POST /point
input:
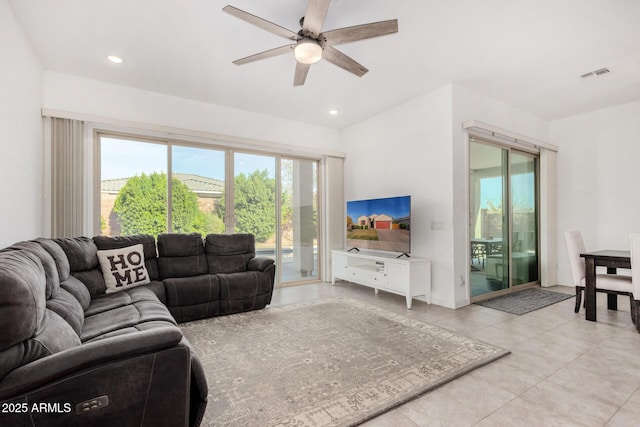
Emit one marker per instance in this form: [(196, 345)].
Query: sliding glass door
[(212, 189), (254, 200), (503, 219), (524, 219)]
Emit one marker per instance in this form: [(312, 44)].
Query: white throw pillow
[(123, 268)]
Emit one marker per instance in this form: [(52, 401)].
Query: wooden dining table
[(612, 260)]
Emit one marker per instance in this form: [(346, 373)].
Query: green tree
[(141, 206), (255, 204)]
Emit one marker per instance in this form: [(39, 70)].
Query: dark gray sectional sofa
[(73, 355)]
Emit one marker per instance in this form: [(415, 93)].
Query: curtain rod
[(181, 132), (517, 138)]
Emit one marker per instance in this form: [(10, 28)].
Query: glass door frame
[(230, 220), (536, 192), (472, 138)]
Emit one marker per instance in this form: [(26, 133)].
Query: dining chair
[(607, 283), (634, 240)]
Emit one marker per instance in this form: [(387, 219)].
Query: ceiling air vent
[(597, 73)]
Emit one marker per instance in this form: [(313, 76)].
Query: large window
[(275, 198), (133, 187), (197, 190)]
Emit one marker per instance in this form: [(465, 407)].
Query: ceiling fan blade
[(301, 73), (261, 23), (343, 61), (359, 32), (314, 17), (266, 54)]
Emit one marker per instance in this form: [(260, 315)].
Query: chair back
[(635, 264), (575, 246)]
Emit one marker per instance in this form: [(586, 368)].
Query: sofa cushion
[(181, 255), (123, 268), (22, 296), (124, 317), (67, 307), (58, 255), (29, 330), (191, 298), (146, 240), (48, 263), (54, 335), (76, 288), (244, 291), (102, 303), (229, 253), (81, 253), (146, 326)]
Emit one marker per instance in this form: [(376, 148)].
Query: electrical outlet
[(437, 225)]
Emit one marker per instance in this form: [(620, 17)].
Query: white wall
[(20, 133), (420, 148), (79, 95), (598, 178), (407, 151)]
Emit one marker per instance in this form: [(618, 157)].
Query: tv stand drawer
[(365, 276)]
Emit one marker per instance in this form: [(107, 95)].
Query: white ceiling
[(527, 53)]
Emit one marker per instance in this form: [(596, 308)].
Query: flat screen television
[(380, 224)]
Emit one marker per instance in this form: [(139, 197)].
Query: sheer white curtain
[(67, 177), (335, 218)]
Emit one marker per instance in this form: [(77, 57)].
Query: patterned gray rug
[(525, 301), (333, 362)]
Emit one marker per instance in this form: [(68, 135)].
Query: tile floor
[(562, 370)]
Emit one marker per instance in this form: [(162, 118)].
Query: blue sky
[(491, 190), (123, 159), (395, 207)]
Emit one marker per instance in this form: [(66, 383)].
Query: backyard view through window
[(136, 197)]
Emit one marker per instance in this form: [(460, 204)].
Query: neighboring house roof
[(201, 185), (380, 217)]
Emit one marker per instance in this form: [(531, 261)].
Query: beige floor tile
[(582, 406), (522, 413), (512, 379), (463, 401), (498, 336), (392, 418), (624, 418)]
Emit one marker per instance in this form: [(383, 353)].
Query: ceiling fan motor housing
[(308, 50)]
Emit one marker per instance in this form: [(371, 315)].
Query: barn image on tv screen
[(380, 224)]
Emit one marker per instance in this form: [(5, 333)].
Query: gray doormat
[(525, 301), (333, 362)]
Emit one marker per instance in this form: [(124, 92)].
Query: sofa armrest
[(259, 263), (92, 354)]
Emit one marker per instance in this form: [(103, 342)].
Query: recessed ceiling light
[(333, 112), (115, 59)]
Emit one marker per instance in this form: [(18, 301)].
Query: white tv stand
[(409, 277)]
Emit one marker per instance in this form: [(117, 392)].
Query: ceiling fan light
[(308, 51)]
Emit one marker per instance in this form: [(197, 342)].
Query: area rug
[(525, 301), (332, 362)]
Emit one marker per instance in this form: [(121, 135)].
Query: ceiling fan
[(310, 44)]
